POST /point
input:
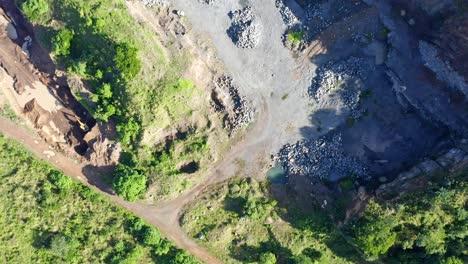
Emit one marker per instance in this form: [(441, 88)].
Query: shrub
[(128, 131), (62, 182), (451, 260), (267, 258), (62, 42), (151, 237), (295, 36), (183, 258), (126, 60), (258, 208), (375, 234), (128, 183), (35, 10), (62, 246)]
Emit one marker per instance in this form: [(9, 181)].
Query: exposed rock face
[(453, 43), (418, 176), (102, 153), (414, 81)]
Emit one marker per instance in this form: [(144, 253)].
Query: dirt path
[(155, 216), (268, 75), (165, 215)]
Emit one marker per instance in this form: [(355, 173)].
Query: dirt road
[(162, 217), (268, 75), (165, 215)]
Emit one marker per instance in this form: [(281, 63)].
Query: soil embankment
[(41, 97)]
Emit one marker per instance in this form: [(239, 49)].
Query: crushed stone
[(244, 31), (320, 159)]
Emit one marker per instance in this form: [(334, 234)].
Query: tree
[(267, 258), (128, 183), (151, 236), (374, 233), (451, 260), (128, 131), (183, 258), (35, 9), (62, 182), (126, 60), (62, 42), (62, 246)]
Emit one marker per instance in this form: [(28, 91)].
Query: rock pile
[(151, 3), (244, 31), (207, 2), (287, 15), (320, 159), (242, 112), (342, 79)]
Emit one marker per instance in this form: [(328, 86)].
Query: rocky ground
[(351, 80)]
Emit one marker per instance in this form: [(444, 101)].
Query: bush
[(267, 258), (451, 260), (183, 258), (128, 183), (62, 246), (62, 42), (62, 182), (151, 237), (128, 131), (374, 234), (35, 10), (258, 208), (295, 36), (126, 60)]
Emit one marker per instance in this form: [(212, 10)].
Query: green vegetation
[(240, 223), (62, 42), (48, 218), (429, 226), (160, 164), (128, 183), (135, 85), (295, 36), (7, 111), (36, 10)]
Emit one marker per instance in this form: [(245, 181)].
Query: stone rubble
[(151, 3), (207, 2), (287, 15), (243, 113), (343, 78), (320, 159), (244, 31)]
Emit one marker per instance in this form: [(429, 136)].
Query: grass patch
[(48, 218), (239, 223), (135, 83), (7, 111)]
